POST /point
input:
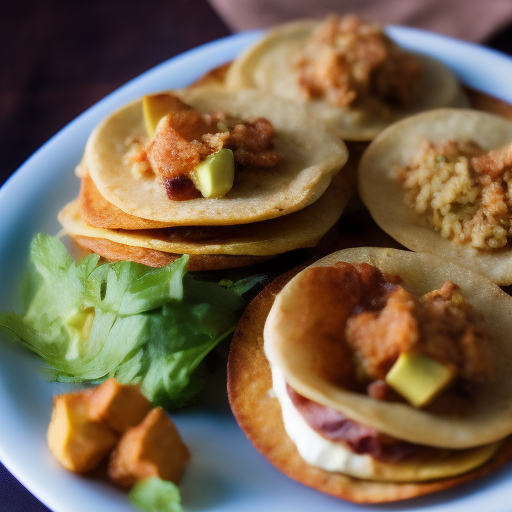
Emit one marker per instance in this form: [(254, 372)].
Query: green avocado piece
[(214, 176), (419, 378)]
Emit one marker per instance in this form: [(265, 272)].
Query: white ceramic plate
[(226, 473)]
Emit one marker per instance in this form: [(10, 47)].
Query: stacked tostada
[(229, 178)]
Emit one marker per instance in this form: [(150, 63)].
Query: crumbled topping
[(351, 63), (440, 324), (464, 193), (185, 137), (136, 158)]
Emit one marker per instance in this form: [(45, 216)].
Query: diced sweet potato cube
[(75, 440), (153, 448), (120, 406)]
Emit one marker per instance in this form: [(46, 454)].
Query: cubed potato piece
[(120, 406), (76, 441), (153, 448)]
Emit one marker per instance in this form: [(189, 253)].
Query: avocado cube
[(154, 107), (214, 176), (419, 378)]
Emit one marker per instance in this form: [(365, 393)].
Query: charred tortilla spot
[(181, 189)]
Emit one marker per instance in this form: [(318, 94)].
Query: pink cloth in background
[(472, 20)]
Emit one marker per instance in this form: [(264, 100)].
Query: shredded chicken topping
[(184, 138), (348, 63), (440, 324), (465, 193)]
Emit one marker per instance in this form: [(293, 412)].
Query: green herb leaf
[(156, 495), (243, 285), (124, 320)]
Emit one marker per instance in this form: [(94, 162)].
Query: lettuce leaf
[(91, 321)]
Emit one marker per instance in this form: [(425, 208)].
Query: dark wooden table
[(57, 58)]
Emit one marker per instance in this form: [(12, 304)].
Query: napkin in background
[(472, 20)]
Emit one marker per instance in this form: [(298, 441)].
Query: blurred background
[(58, 58)]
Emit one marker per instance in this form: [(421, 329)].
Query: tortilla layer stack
[(265, 354), (123, 215)]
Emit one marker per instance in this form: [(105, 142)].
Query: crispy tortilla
[(429, 464), (97, 211), (490, 419), (259, 414), (216, 76), (269, 65), (113, 251), (312, 155), (297, 230), (482, 101), (384, 197)]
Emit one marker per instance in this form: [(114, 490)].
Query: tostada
[(376, 375), (439, 182), (347, 72)]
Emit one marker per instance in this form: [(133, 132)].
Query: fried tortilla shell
[(304, 366), (315, 219), (297, 230), (97, 211), (216, 76), (312, 155), (482, 101), (384, 196), (429, 464), (269, 65), (113, 251), (258, 413)]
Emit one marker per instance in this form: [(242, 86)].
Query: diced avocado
[(154, 107), (419, 378), (214, 176)]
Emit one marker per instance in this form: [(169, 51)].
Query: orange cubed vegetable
[(153, 448), (78, 442), (120, 406)]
